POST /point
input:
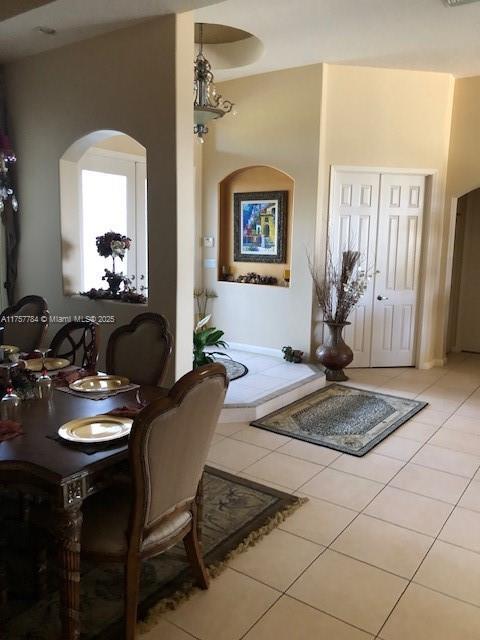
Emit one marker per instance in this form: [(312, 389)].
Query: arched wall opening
[(463, 331), (252, 184), (103, 188)]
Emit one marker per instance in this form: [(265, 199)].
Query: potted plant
[(338, 291), (204, 337)]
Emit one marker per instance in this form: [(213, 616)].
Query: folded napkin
[(9, 429), (33, 355), (65, 378), (127, 411)]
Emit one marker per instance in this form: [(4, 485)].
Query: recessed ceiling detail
[(227, 47), (11, 8), (220, 34)]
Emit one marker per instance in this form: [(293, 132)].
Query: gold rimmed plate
[(102, 428), (51, 364), (98, 384)]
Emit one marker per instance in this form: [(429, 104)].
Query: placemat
[(89, 449), (98, 396)]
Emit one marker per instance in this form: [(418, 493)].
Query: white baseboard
[(266, 351)]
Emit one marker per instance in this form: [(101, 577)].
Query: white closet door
[(398, 263), (353, 225)]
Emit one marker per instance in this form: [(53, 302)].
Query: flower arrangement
[(339, 290), (115, 245), (204, 337), (112, 244)]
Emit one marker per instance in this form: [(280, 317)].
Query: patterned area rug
[(236, 510), (234, 369), (343, 418)]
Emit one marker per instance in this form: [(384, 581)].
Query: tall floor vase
[(334, 354)]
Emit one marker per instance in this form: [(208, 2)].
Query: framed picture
[(260, 226)]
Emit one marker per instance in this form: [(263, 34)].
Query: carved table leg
[(68, 524)]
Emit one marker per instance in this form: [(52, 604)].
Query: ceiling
[(73, 20), (407, 34)]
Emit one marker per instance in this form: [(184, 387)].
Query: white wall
[(399, 119), (136, 81), (277, 125)]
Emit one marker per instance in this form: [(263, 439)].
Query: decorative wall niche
[(102, 189), (254, 180)]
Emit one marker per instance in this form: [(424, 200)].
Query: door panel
[(398, 264), (353, 225)]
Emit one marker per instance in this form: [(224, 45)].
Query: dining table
[(66, 475)]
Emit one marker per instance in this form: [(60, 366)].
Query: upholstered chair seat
[(105, 528), (168, 448)]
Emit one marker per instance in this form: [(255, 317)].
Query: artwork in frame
[(260, 226)]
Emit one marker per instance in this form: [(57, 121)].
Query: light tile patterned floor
[(266, 375), (388, 546)]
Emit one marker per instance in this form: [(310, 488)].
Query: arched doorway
[(463, 332)]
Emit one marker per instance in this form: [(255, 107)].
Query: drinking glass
[(44, 384), (10, 402)]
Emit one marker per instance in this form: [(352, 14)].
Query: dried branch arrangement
[(338, 290)]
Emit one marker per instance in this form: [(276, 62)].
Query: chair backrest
[(28, 332), (141, 350), (77, 341), (169, 445)]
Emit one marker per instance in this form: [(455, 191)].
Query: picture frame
[(260, 226)]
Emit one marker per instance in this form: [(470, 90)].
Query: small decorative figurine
[(292, 355)]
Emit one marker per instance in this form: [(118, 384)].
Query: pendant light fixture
[(207, 104)]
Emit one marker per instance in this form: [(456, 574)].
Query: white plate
[(100, 428)]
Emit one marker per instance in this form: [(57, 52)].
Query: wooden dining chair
[(29, 330), (141, 350), (168, 448), (77, 341)]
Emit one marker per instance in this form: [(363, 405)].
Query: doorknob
[(382, 297)]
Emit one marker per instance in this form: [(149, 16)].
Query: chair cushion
[(105, 524)]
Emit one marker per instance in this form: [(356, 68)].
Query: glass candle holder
[(10, 402), (44, 386)]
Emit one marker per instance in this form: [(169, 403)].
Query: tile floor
[(388, 546), (266, 375)]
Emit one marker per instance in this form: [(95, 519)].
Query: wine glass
[(43, 352), (10, 402), (44, 384)]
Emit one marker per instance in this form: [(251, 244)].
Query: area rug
[(343, 418), (235, 370), (237, 513)]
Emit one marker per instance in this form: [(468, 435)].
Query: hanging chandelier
[(207, 104), (7, 159)]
